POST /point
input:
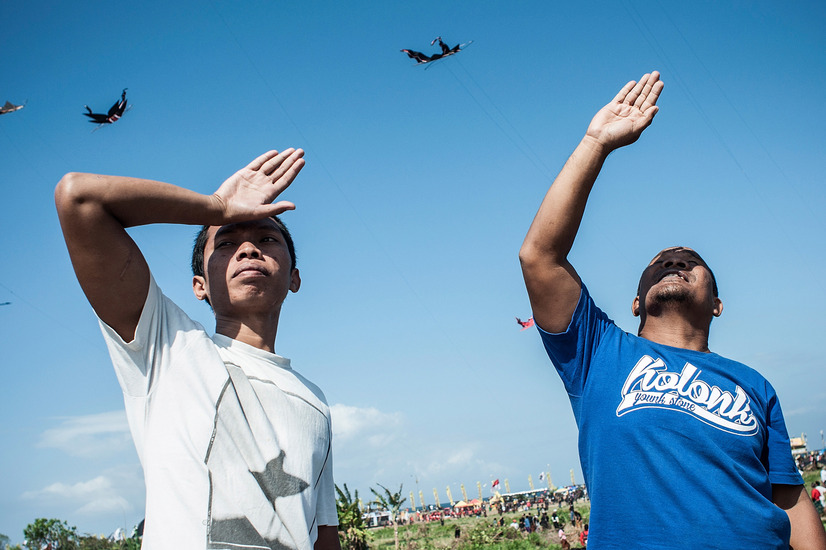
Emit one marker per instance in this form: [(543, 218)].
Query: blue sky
[(418, 189)]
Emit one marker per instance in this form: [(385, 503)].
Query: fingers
[(281, 168), (270, 161), (278, 164), (280, 207), (645, 94), (642, 94), (651, 97), (286, 173), (638, 90), (620, 97), (259, 162), (270, 210)]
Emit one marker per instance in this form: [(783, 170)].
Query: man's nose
[(248, 250), (677, 263)]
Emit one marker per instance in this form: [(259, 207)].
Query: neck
[(258, 332), (676, 331)]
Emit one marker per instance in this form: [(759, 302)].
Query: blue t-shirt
[(679, 448)]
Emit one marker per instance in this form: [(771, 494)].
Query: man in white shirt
[(235, 445)]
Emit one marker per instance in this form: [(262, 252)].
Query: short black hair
[(201, 240)]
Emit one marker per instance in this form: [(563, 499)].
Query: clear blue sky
[(418, 189)]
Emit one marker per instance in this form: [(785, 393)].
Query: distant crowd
[(812, 460)]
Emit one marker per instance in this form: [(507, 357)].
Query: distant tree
[(351, 526), (4, 541), (391, 502), (92, 542), (132, 543), (51, 534)]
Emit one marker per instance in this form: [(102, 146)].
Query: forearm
[(619, 123), (327, 538), (554, 228), (94, 212), (552, 283), (131, 201)]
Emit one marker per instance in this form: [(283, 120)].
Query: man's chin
[(667, 297), (255, 299), (671, 293)]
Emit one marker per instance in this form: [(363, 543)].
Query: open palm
[(248, 194), (622, 121)]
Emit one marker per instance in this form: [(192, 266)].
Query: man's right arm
[(95, 211), (553, 284)]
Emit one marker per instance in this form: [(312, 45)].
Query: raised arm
[(553, 284), (95, 210)]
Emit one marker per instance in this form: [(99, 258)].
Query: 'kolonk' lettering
[(649, 384)]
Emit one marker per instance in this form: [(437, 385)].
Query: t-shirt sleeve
[(326, 504), (779, 462), (139, 363), (572, 351)]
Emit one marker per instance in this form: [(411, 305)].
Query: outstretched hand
[(249, 193), (622, 121)]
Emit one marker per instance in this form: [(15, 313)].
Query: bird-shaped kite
[(115, 112), (525, 324), (446, 51), (10, 107)]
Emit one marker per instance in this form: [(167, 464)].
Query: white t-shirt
[(235, 445)]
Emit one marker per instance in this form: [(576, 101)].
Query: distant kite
[(115, 112), (446, 51), (525, 324), (10, 107)]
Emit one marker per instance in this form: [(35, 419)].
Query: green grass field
[(474, 533)]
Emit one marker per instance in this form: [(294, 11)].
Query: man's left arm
[(327, 510), (327, 538), (807, 530)]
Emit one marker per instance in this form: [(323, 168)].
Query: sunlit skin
[(675, 301), (248, 276), (247, 263)]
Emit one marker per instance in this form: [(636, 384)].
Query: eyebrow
[(235, 228), (688, 251)]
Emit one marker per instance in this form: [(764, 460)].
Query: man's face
[(246, 266), (675, 275)]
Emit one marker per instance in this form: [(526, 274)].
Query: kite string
[(57, 321), (522, 145), (68, 327), (743, 120), (533, 157), (318, 160), (655, 45)]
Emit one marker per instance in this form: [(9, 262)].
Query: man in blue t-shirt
[(659, 407)]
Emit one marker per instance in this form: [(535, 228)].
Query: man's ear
[(199, 287), (718, 307), (295, 280), (635, 306)]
